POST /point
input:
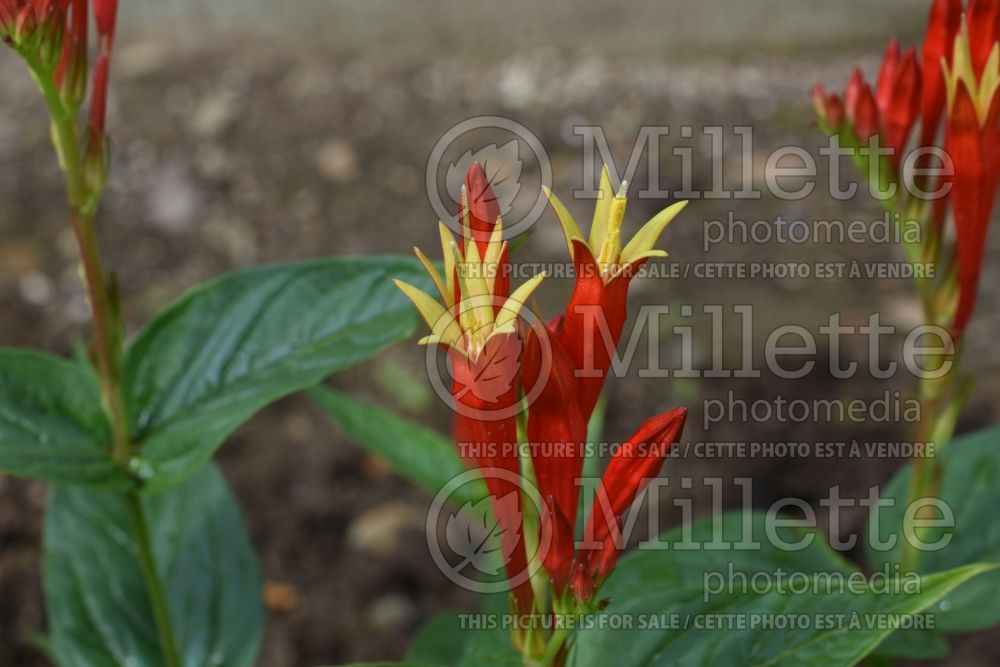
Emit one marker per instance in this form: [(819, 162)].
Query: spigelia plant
[(476, 322), (146, 561), (527, 415)]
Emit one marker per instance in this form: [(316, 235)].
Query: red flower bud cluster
[(53, 36), (957, 75)]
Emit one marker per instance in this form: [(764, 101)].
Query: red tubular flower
[(99, 99), (898, 98), (71, 73), (636, 462), (861, 107), (984, 30), (972, 138), (476, 322), (479, 211), (593, 321), (558, 560), (493, 447), (829, 108), (556, 433), (942, 27), (105, 16)]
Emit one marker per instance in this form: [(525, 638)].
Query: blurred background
[(251, 131)]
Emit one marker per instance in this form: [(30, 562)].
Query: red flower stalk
[(593, 321), (476, 323), (972, 138)]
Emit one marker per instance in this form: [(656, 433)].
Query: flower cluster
[(52, 36), (504, 370), (957, 76)]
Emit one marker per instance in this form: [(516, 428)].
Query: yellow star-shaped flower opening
[(982, 89), (471, 312), (605, 239)]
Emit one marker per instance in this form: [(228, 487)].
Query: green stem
[(157, 594), (938, 400), (941, 400), (556, 641), (107, 325), (108, 342)]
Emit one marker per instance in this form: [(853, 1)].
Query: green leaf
[(970, 486), (684, 556), (387, 664), (422, 455), (832, 629), (653, 589), (445, 642), (668, 585), (98, 607), (440, 641), (915, 644), (52, 425), (206, 364)]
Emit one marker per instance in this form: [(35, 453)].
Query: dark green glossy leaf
[(209, 362), (422, 455), (52, 425), (663, 595), (387, 664), (971, 488), (916, 644), (99, 610), (440, 641), (685, 555), (832, 629), (444, 641)]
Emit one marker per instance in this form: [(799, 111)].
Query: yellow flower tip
[(441, 322), (602, 211), (511, 308), (623, 190), (447, 296), (644, 240), (570, 229)]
